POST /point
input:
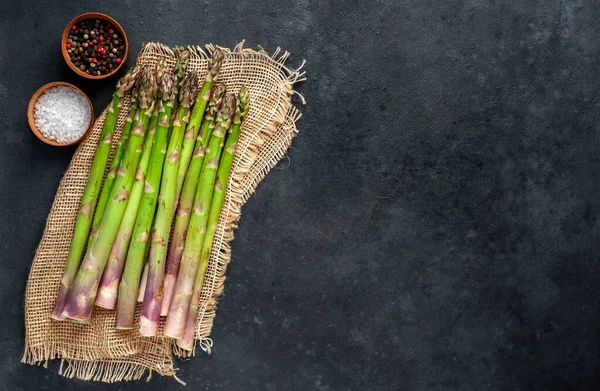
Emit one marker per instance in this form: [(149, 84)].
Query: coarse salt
[(62, 114)]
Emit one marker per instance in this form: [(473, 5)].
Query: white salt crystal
[(62, 114)]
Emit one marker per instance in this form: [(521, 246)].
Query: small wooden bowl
[(65, 36), (31, 112)]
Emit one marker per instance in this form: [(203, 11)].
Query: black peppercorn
[(95, 46)]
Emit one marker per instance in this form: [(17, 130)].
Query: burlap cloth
[(97, 351)]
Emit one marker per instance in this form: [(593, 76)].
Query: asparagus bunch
[(81, 297), (137, 249), (90, 194), (172, 156), (187, 196), (187, 341), (197, 227)]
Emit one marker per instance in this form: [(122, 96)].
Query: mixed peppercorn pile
[(95, 47)]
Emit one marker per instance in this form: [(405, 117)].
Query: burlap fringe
[(76, 361), (108, 372)]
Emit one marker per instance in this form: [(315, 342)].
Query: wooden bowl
[(31, 112), (65, 36)]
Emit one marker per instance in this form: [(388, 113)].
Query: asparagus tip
[(127, 82), (148, 86), (184, 55), (189, 89), (229, 105), (218, 55), (218, 92), (244, 99), (214, 64), (166, 85)]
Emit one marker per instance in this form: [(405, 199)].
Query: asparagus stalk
[(143, 281), (90, 194), (109, 284), (187, 196), (112, 172), (187, 342), (197, 227), (81, 297), (166, 209), (214, 66), (128, 288), (144, 278), (180, 67)]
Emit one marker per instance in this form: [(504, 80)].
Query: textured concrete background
[(434, 227)]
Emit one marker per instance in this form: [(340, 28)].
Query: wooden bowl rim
[(92, 15), (31, 114)]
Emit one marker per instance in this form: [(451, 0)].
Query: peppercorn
[(95, 47)]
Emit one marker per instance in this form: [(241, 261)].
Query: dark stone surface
[(434, 227)]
